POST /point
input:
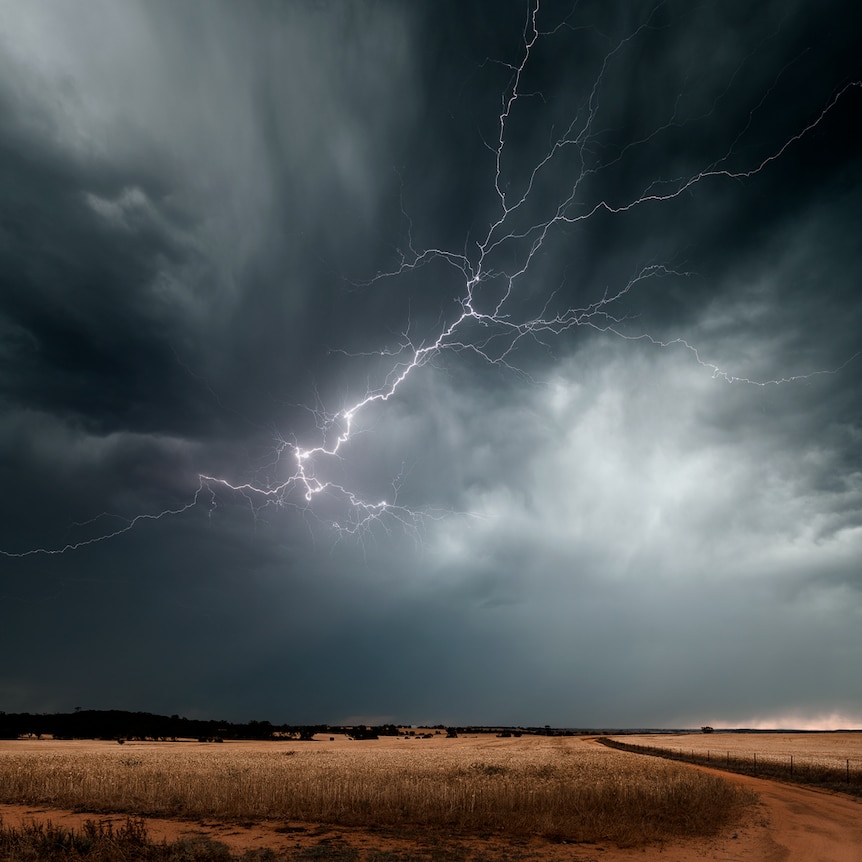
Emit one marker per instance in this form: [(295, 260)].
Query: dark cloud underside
[(618, 525)]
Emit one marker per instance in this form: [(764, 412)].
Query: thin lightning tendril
[(497, 332)]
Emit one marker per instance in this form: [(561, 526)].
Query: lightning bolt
[(490, 274)]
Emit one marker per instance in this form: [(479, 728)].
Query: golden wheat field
[(559, 788), (832, 749)]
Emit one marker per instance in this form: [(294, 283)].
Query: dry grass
[(830, 759), (825, 749), (563, 789), (99, 842)]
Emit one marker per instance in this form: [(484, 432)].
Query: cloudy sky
[(626, 490)]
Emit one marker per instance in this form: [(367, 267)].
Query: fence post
[(848, 770), (791, 764), (728, 758)]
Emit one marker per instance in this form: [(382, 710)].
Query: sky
[(382, 361)]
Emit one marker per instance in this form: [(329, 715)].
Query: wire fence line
[(845, 776)]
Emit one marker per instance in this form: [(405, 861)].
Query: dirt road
[(806, 824), (790, 824)]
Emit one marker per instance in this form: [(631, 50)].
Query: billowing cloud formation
[(618, 526)]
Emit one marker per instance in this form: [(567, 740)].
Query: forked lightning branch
[(490, 275)]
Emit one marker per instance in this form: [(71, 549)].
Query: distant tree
[(707, 729)]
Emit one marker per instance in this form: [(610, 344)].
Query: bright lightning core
[(576, 177)]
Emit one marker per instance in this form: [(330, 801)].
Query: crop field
[(819, 758), (564, 789), (825, 749)]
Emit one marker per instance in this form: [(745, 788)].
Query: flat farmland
[(827, 749), (471, 799), (555, 789)]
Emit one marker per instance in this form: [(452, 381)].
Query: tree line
[(122, 725)]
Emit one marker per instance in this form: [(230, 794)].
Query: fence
[(846, 777)]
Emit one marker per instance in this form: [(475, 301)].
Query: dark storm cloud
[(194, 199), (196, 176)]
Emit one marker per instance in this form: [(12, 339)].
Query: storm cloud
[(649, 517)]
